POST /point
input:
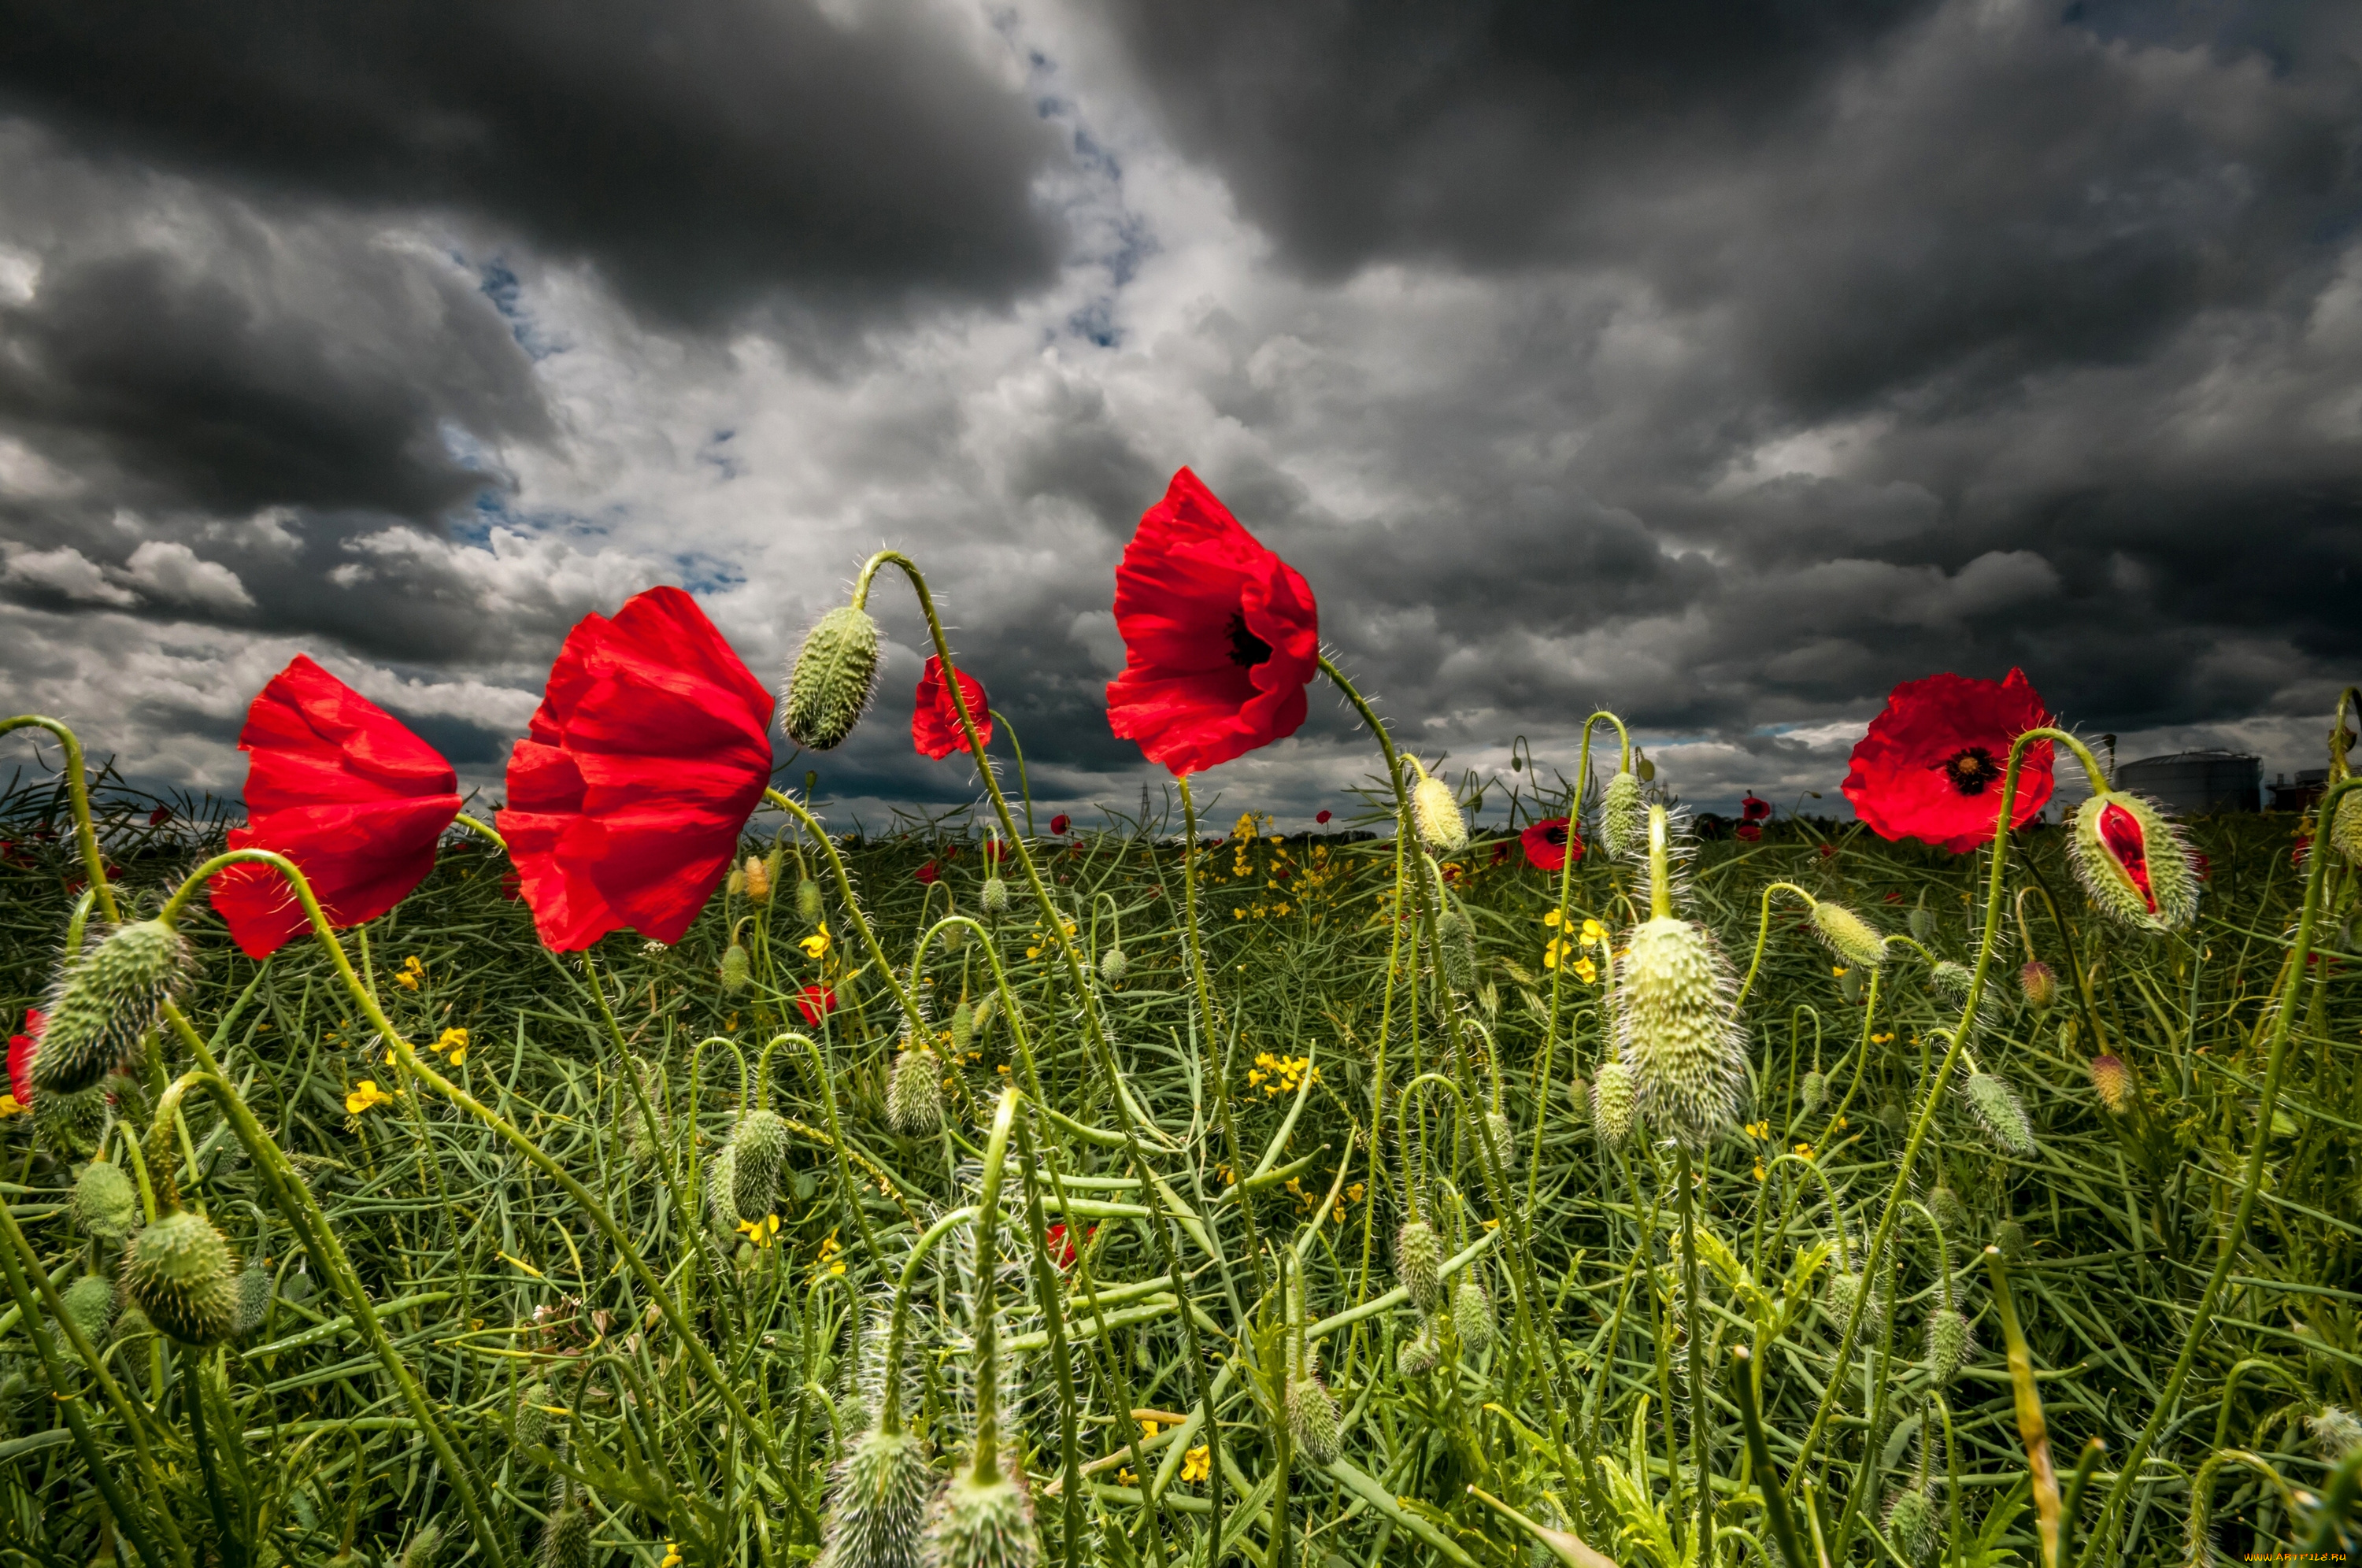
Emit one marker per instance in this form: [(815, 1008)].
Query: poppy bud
[(1455, 944), (1435, 812), (1952, 979), (1623, 820), (2345, 827), (1849, 935), (1893, 1117), (2336, 1432), (1950, 1342), (105, 1002), (531, 1427), (1911, 1525), (834, 675), (986, 1523), (104, 1204), (425, 1547), (1951, 1214), (1814, 1091), (566, 1539), (2040, 981), (758, 1149), (1995, 1106), (734, 967), (1471, 1313), (994, 899), (1312, 1423), (1419, 1264), (1113, 966), (877, 1501), (914, 1095), (808, 901), (1850, 984), (963, 1028), (722, 1192), (1504, 1139), (129, 1322), (1844, 1288), (253, 1299), (1677, 1029), (1612, 1099), (89, 1304), (2010, 1238), (1419, 1354), (735, 883), (2133, 862), (181, 1272), (759, 880), (2114, 1081)]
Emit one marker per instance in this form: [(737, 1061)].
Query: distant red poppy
[(815, 1002), (1931, 766), (647, 755), (1221, 636), (21, 1051), (1060, 824), (928, 874), (1894, 898), (1828, 852), (1322, 818), (2203, 866), (992, 850), (1548, 844), (934, 721), (160, 816), (1750, 832), (1754, 810), (1060, 1248), (2303, 849), (341, 788)]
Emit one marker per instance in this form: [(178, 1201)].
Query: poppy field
[(652, 1170)]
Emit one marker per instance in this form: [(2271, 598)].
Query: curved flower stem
[(1693, 1329), (1566, 868), (889, 1406), (77, 784), (1024, 787), (1660, 880), (482, 829), (1211, 1030), (2250, 1183), (1764, 929), (987, 1309)]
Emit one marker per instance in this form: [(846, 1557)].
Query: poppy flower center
[(2120, 831), (1555, 835), (1970, 770), (1247, 650)]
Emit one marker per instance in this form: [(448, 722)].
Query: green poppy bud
[(1612, 1103), (1952, 980), (1456, 946), (1951, 1214), (2132, 863), (1419, 1264), (566, 1539), (105, 1205), (1849, 935), (1911, 1525), (1813, 1092), (963, 1028), (1678, 1030), (89, 1304), (425, 1547), (1435, 814), (758, 1148), (1996, 1108), (1471, 1313), (2345, 828), (1113, 966), (808, 904), (994, 899), (1893, 1117), (1504, 1139), (878, 1502), (735, 968), (105, 1002), (1624, 819), (253, 1299), (1922, 919), (181, 1272), (914, 1095), (2040, 983), (2010, 1238), (835, 675), (1312, 1421), (722, 1192), (1950, 1343), (1419, 1354), (531, 1426), (983, 1523), (735, 883)]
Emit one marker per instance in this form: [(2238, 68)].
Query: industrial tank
[(2197, 783)]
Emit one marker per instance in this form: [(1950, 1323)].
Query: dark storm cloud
[(702, 152)]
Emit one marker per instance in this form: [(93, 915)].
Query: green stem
[(988, 1334), (77, 784), (1693, 1324), (1216, 1051), (1763, 931), (1024, 787)]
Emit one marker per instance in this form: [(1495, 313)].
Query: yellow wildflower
[(815, 946), (1198, 1463), (1759, 1170), (672, 1558), (410, 973), (1805, 1151), (8, 1106), (1587, 971), (760, 1231), (1555, 918), (1758, 1130), (1148, 1428), (454, 1045), (1594, 933), (830, 1257), (365, 1097), (1838, 971), (1126, 1476)]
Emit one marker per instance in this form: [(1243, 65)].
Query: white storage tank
[(2197, 783)]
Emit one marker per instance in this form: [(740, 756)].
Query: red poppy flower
[(928, 874), (815, 1002), (1060, 1248), (2304, 848), (1060, 824), (2203, 866), (1828, 852), (1322, 818), (934, 721), (1754, 810), (21, 1050), (991, 851), (1931, 766), (1750, 832), (341, 788), (1221, 636), (160, 816), (647, 755), (1549, 843)]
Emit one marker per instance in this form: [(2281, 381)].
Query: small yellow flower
[(760, 1231), (815, 946), (830, 1257), (672, 1558), (1759, 1170), (1805, 1151), (1198, 1463), (410, 973), (1594, 933), (8, 1106), (1758, 1130), (1550, 954), (1555, 918), (1127, 1477), (1148, 1428), (454, 1045), (1587, 971), (366, 1096), (1002, 1069), (1838, 971)]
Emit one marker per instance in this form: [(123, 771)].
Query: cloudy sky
[(1721, 365)]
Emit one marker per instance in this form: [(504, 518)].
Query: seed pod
[(1911, 1524), (1312, 1421), (1813, 1092), (2039, 982), (1677, 1029), (253, 1299), (1612, 1097), (566, 1539), (981, 1524), (531, 1426), (963, 1028), (1950, 1342), (2113, 1082), (1419, 1264), (758, 1148), (878, 1502), (182, 1273), (2133, 862), (1843, 1288), (2010, 1238), (105, 1002), (759, 880), (1419, 1354), (994, 899), (2336, 1432), (734, 967), (1471, 1313), (1922, 921), (1951, 1214), (1623, 819), (1504, 1139), (105, 1205), (914, 1095), (1849, 935), (1455, 947), (89, 1304), (808, 904), (1435, 812), (1995, 1106), (1113, 966), (425, 1547), (835, 675)]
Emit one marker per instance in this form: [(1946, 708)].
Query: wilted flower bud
[(808, 907), (1997, 1110), (1678, 1031), (1951, 1214), (736, 968), (1419, 1264), (1911, 1525), (1419, 1354), (1471, 1313), (180, 1270), (2114, 1081), (2040, 981), (914, 1096), (994, 899), (1950, 1342), (2133, 862), (105, 1001), (758, 1149), (1849, 935), (759, 880), (104, 1204), (1623, 819), (983, 1523), (1813, 1092), (1435, 812), (832, 679), (1113, 966), (878, 1502), (1455, 947), (1312, 1422), (1612, 1097)]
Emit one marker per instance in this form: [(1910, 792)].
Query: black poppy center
[(1555, 835), (1970, 770), (1247, 650)]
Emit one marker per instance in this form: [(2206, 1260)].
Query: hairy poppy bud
[(736, 968), (1893, 1117), (2133, 862), (1612, 1097), (1951, 1214), (994, 899), (89, 1304), (2345, 827), (1456, 946), (835, 675), (1844, 1289), (425, 1547), (1623, 819), (1922, 919), (759, 880), (985, 1523), (1911, 1525), (1995, 1106), (1471, 1313), (566, 1539), (1419, 1354), (2336, 1432), (181, 1272), (253, 1299), (1113, 966), (1813, 1092), (104, 1204), (1950, 1342), (1849, 935), (1419, 1264), (2114, 1081), (105, 1002), (758, 1149), (2010, 1238), (1312, 1422), (1952, 980), (2040, 984), (531, 1427), (735, 883), (1677, 1029), (878, 1502), (1504, 1139), (722, 1192), (914, 1095), (1435, 812), (808, 907), (963, 1028)]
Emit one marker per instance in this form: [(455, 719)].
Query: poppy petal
[(935, 719)]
